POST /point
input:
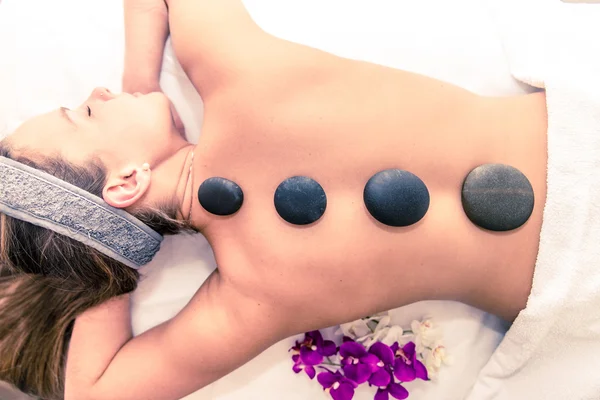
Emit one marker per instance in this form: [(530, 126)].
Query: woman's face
[(118, 129)]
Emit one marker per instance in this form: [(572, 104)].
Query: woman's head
[(116, 128), (46, 279), (124, 131)]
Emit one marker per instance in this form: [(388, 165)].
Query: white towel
[(552, 351)]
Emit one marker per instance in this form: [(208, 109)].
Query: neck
[(186, 187), (174, 176)]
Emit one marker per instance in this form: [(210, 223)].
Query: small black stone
[(396, 197), (497, 197), (300, 200), (220, 196)]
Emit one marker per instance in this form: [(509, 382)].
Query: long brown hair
[(47, 280)]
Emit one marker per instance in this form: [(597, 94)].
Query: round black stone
[(396, 197), (220, 196), (497, 197), (300, 200)]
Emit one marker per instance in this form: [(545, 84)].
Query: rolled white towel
[(552, 351)]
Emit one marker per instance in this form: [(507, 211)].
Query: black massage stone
[(396, 197), (497, 197), (300, 200), (220, 196)]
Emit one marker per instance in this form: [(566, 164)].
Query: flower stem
[(331, 363)]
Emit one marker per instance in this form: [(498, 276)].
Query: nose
[(102, 94)]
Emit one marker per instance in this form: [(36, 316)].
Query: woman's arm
[(218, 331), (146, 31)]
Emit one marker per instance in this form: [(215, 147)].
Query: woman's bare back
[(275, 109)]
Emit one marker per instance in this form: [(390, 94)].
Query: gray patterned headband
[(41, 199)]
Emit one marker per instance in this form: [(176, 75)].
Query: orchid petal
[(404, 372), (409, 350), (421, 371), (351, 382), (398, 391), (394, 347), (328, 348), (316, 336), (415, 326), (365, 340), (384, 322), (295, 358), (360, 328), (310, 357), (384, 353), (297, 368), (344, 392), (382, 394), (352, 349), (310, 371), (369, 359), (392, 335), (327, 379), (380, 378), (345, 329), (359, 373), (379, 335)]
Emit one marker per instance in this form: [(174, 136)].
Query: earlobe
[(128, 187)]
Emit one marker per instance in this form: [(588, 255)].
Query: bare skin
[(275, 109), (290, 110)]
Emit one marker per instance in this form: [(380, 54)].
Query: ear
[(126, 188)]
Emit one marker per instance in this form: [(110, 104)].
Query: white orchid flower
[(426, 334), (435, 358), (354, 329)]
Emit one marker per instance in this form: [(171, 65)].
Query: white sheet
[(55, 52)]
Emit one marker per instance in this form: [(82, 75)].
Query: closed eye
[(89, 111)]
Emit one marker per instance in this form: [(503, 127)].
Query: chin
[(157, 100), (158, 107)]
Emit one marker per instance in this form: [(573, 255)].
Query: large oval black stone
[(220, 196), (300, 200), (396, 197), (497, 197)]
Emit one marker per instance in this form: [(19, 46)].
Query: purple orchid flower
[(393, 389), (310, 352), (380, 359), (299, 366), (361, 365), (406, 367), (351, 354), (338, 386)]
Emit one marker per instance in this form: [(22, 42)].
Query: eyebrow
[(63, 113)]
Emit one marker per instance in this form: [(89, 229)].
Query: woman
[(273, 110)]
